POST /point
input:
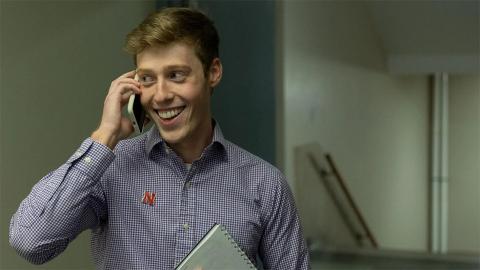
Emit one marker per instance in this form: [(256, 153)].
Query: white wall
[(464, 164), (375, 125), (58, 59)]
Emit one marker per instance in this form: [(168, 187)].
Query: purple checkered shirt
[(147, 210)]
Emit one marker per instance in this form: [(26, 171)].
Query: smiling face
[(176, 92)]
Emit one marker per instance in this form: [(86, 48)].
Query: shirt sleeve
[(61, 205), (283, 245)]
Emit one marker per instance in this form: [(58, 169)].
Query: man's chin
[(171, 137)]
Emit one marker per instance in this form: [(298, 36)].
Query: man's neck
[(192, 148)]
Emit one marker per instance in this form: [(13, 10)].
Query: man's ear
[(215, 72)]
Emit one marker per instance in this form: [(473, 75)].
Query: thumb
[(126, 128), (148, 120)]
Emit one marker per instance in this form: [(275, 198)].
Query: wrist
[(104, 137)]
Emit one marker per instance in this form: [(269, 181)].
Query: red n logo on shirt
[(148, 198)]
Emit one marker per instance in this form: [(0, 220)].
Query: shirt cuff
[(92, 158)]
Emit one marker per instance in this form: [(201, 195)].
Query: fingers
[(129, 77), (113, 124), (126, 127), (125, 88), (125, 85), (127, 94), (125, 97), (129, 74)]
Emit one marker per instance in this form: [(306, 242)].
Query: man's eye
[(146, 79), (177, 76)]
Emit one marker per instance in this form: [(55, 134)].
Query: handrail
[(351, 201), (321, 172), (331, 191)]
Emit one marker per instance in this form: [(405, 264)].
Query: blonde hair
[(176, 25)]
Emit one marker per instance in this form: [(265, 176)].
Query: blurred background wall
[(244, 102), (375, 125), (357, 81), (350, 76), (464, 218)]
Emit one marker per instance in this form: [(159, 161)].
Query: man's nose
[(162, 92)]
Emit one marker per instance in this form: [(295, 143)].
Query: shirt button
[(88, 160), (186, 226), (188, 184)]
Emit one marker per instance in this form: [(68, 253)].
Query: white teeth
[(171, 113)]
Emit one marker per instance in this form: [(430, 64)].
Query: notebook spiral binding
[(242, 253)]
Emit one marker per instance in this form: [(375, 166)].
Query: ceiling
[(429, 36)]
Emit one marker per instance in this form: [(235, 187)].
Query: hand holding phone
[(114, 126)]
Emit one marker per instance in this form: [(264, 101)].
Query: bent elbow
[(31, 250), (25, 249)]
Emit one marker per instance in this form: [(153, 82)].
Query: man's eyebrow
[(144, 70), (174, 67), (167, 68)]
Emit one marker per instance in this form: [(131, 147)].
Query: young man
[(148, 200)]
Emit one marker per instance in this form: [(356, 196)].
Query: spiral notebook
[(216, 250)]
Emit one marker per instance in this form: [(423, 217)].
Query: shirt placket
[(186, 224)]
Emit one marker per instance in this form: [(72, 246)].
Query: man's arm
[(283, 245), (64, 203), (70, 199)]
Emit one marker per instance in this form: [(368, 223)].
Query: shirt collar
[(154, 138)]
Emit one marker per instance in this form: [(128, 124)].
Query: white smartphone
[(136, 113)]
